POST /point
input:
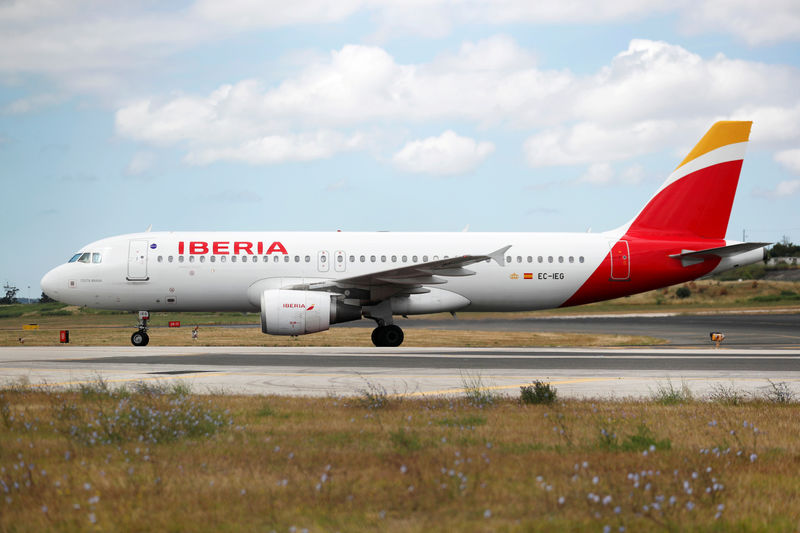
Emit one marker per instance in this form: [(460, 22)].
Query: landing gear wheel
[(140, 338), (387, 336)]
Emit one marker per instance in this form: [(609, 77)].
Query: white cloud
[(274, 149), (651, 96), (340, 185), (597, 174), (782, 189), (31, 103), (789, 159), (96, 46), (446, 155), (654, 95), (140, 163), (755, 22)]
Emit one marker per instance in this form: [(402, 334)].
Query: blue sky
[(366, 115)]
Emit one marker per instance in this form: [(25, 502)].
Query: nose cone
[(49, 284)]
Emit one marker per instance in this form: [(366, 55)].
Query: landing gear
[(387, 336), (140, 338)]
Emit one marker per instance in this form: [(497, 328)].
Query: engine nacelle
[(289, 312)]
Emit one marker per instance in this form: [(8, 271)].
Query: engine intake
[(288, 312)]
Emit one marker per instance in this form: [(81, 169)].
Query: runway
[(742, 330), (600, 373)]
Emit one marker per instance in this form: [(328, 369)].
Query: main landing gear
[(387, 336), (140, 338)]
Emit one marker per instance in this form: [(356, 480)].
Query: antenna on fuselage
[(148, 228)]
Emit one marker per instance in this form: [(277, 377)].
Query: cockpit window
[(74, 258), (84, 258), (97, 258)]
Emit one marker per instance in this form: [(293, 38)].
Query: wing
[(410, 279)]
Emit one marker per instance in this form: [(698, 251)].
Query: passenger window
[(265, 258), (519, 259), (404, 258), (362, 258), (571, 259), (222, 258), (424, 258), (339, 258), (169, 259), (530, 259), (191, 259), (84, 258), (540, 259), (508, 259), (580, 259), (549, 258), (435, 257), (352, 259), (308, 259), (160, 258), (394, 259), (180, 259), (372, 258), (413, 258), (286, 258), (97, 258), (75, 258), (560, 258), (275, 259), (213, 258), (203, 259), (297, 259), (383, 259), (233, 259)]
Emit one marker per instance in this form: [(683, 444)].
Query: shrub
[(537, 393), (477, 393), (669, 395), (683, 292)]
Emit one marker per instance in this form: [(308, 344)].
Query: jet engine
[(291, 312)]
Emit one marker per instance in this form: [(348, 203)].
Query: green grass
[(130, 459), (157, 457)]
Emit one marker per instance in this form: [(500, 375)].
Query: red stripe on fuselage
[(689, 214), (651, 268)]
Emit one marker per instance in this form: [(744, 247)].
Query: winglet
[(499, 255)]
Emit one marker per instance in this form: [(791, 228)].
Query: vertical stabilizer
[(697, 198)]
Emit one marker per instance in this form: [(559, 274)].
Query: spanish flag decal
[(528, 275)]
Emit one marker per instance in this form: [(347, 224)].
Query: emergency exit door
[(137, 260), (620, 261)]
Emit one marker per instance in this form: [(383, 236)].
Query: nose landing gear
[(140, 338)]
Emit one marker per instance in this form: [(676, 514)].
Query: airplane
[(303, 282)]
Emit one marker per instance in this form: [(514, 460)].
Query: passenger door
[(137, 260), (620, 261)]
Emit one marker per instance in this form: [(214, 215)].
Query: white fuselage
[(542, 270)]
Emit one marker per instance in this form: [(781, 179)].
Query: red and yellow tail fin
[(697, 198)]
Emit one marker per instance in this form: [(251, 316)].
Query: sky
[(366, 115)]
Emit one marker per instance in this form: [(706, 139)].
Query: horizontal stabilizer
[(722, 251)]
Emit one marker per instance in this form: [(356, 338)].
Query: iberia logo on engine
[(298, 306)]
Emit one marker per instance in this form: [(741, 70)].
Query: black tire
[(377, 336), (393, 336), (140, 338)]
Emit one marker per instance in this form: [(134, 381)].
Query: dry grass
[(211, 336), (351, 464)]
